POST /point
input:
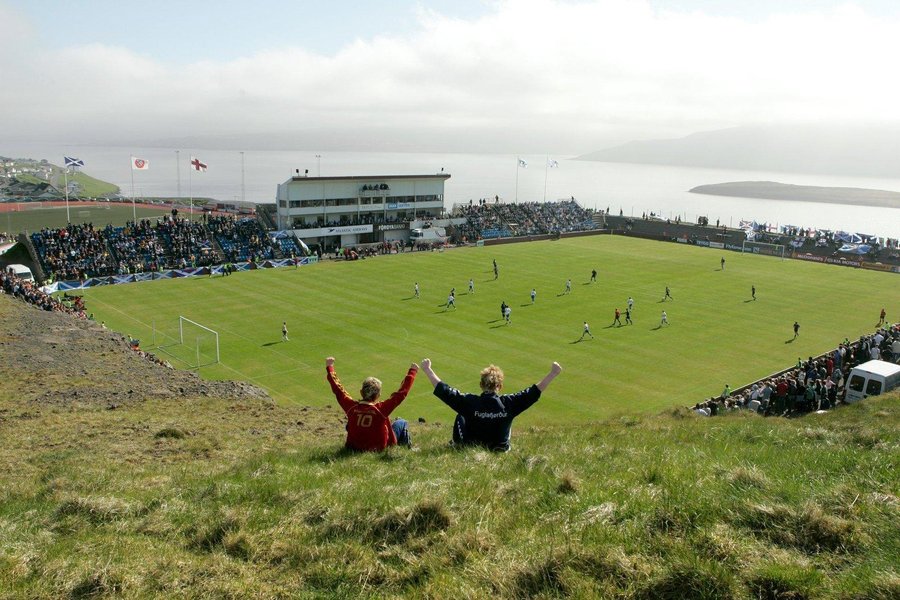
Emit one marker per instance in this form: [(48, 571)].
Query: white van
[(871, 379), (20, 271)]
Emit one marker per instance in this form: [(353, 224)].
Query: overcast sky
[(529, 75)]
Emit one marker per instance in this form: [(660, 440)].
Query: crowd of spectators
[(486, 220), (74, 252), (241, 239), (814, 384), (80, 251), (805, 239), (28, 291)]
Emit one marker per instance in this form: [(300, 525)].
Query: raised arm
[(340, 394), (397, 397), (555, 370), (429, 373)]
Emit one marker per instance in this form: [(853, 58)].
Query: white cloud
[(551, 72)]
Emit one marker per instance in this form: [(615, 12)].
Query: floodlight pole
[(243, 194), (178, 172)]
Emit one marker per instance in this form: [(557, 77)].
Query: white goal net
[(191, 343), (763, 248)]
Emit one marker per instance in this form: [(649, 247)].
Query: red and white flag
[(197, 165), (139, 164)]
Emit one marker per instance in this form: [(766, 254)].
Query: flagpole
[(546, 169), (133, 208), (66, 178), (191, 187), (517, 179), (178, 172)]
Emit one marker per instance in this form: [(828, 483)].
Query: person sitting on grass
[(486, 420), (368, 425)]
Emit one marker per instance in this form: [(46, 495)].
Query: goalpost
[(763, 248), (194, 344)]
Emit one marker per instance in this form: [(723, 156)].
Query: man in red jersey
[(368, 425)]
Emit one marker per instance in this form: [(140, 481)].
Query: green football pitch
[(364, 313)]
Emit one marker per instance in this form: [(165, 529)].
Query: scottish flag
[(73, 162)]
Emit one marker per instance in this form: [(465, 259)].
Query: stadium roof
[(370, 177)]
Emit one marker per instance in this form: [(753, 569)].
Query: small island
[(772, 190)]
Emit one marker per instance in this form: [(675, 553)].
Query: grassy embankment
[(205, 499)]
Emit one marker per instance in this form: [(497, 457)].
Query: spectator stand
[(241, 239), (493, 220)]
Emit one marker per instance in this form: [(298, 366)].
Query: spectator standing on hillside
[(796, 329), (486, 419), (284, 332), (368, 425)]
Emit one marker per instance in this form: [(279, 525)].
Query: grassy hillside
[(91, 187), (364, 314), (204, 498)]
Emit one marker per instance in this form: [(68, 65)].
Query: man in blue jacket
[(487, 419)]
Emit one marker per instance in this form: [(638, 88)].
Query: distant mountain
[(869, 151)]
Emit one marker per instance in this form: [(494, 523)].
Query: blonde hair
[(371, 389), (491, 379)]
